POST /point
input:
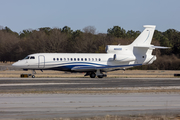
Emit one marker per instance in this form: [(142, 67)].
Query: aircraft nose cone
[(14, 64)]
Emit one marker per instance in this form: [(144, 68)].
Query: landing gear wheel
[(92, 75), (100, 76), (33, 72), (33, 76)]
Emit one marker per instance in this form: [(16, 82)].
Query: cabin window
[(71, 59), (67, 59), (57, 59), (32, 57), (61, 59), (81, 59), (54, 59), (92, 59), (64, 59), (85, 59), (89, 59), (99, 59), (74, 59), (78, 59), (96, 59)]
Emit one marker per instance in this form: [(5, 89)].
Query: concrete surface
[(18, 85), (23, 106), (27, 106)]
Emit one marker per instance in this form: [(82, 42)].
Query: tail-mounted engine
[(124, 58)]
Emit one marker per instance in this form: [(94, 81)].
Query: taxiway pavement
[(24, 106), (64, 84)]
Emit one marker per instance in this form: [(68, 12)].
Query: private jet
[(117, 57)]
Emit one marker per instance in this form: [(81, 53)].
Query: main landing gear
[(101, 76), (93, 74)]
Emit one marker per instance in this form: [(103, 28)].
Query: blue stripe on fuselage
[(74, 63), (69, 67)]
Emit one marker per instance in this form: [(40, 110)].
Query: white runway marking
[(118, 88), (136, 88), (30, 84), (94, 79)]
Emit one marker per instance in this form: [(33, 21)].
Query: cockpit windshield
[(27, 57)]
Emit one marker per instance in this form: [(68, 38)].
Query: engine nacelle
[(113, 48), (124, 58)]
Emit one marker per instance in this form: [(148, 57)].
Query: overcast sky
[(102, 14)]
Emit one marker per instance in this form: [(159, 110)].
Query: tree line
[(15, 46)]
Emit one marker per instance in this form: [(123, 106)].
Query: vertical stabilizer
[(145, 37)]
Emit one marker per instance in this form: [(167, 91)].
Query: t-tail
[(142, 47), (139, 51)]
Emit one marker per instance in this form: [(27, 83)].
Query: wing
[(84, 68), (94, 68)]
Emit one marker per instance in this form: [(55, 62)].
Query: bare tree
[(89, 29), (1, 27)]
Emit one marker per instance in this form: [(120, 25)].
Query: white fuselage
[(121, 58)]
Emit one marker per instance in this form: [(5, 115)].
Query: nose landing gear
[(28, 75), (33, 72), (33, 76)]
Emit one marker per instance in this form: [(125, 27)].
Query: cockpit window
[(26, 57), (32, 57)]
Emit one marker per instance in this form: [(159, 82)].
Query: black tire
[(100, 76), (33, 76), (92, 75)]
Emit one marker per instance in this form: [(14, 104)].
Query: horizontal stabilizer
[(160, 47), (151, 46)]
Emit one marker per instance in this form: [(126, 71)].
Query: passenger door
[(41, 61)]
